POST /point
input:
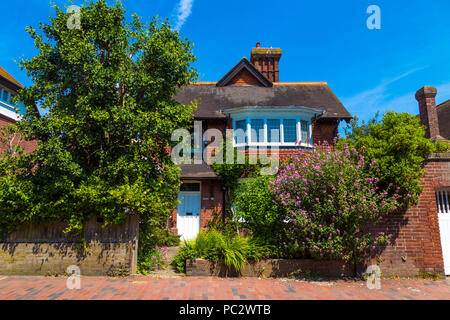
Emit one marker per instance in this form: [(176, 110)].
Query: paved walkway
[(150, 288)]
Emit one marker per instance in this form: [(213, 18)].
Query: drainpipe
[(224, 189)]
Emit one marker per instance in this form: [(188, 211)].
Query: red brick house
[(251, 98), (10, 112), (420, 236)]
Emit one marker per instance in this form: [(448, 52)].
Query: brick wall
[(415, 243), (46, 250), (28, 146), (324, 130), (244, 78)]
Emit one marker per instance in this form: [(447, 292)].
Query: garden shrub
[(330, 200), (397, 147), (257, 210), (213, 246)]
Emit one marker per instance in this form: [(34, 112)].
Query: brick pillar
[(428, 112)]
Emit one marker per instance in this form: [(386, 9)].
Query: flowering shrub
[(154, 261), (330, 200)]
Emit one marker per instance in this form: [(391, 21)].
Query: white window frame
[(443, 201), (282, 143)]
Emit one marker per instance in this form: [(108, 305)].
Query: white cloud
[(184, 10), (365, 104)]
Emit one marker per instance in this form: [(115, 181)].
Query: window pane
[(305, 131), (290, 130), (257, 130), (273, 130), (5, 95), (190, 187), (239, 134)]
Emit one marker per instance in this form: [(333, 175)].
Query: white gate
[(443, 202), (188, 219)]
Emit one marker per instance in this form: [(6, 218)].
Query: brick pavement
[(192, 288)]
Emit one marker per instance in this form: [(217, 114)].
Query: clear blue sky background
[(328, 40)]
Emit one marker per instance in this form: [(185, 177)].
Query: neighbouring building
[(10, 112), (420, 236), (250, 98)]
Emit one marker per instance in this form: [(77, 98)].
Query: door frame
[(200, 204), (443, 194)]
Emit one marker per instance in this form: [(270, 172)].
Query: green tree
[(396, 147), (108, 87)]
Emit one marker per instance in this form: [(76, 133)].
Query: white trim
[(443, 201), (282, 143), (8, 113)]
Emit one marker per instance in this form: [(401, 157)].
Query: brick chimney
[(428, 112), (266, 60)]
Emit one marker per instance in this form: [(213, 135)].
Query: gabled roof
[(244, 64)]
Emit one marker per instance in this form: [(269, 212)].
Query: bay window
[(287, 132), (287, 127)]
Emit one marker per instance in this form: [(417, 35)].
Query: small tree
[(397, 147), (102, 148), (330, 200)]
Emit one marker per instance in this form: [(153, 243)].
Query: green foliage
[(155, 260), (102, 148), (255, 205), (228, 226), (398, 146), (213, 245)]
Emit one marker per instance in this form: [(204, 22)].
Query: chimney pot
[(258, 44), (428, 112)]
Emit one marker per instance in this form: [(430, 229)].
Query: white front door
[(443, 202), (188, 219)]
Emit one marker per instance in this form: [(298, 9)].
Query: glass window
[(290, 130), (273, 130), (257, 130), (5, 95), (190, 187), (239, 132), (304, 126), (443, 201)]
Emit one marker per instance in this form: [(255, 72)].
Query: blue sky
[(369, 70)]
